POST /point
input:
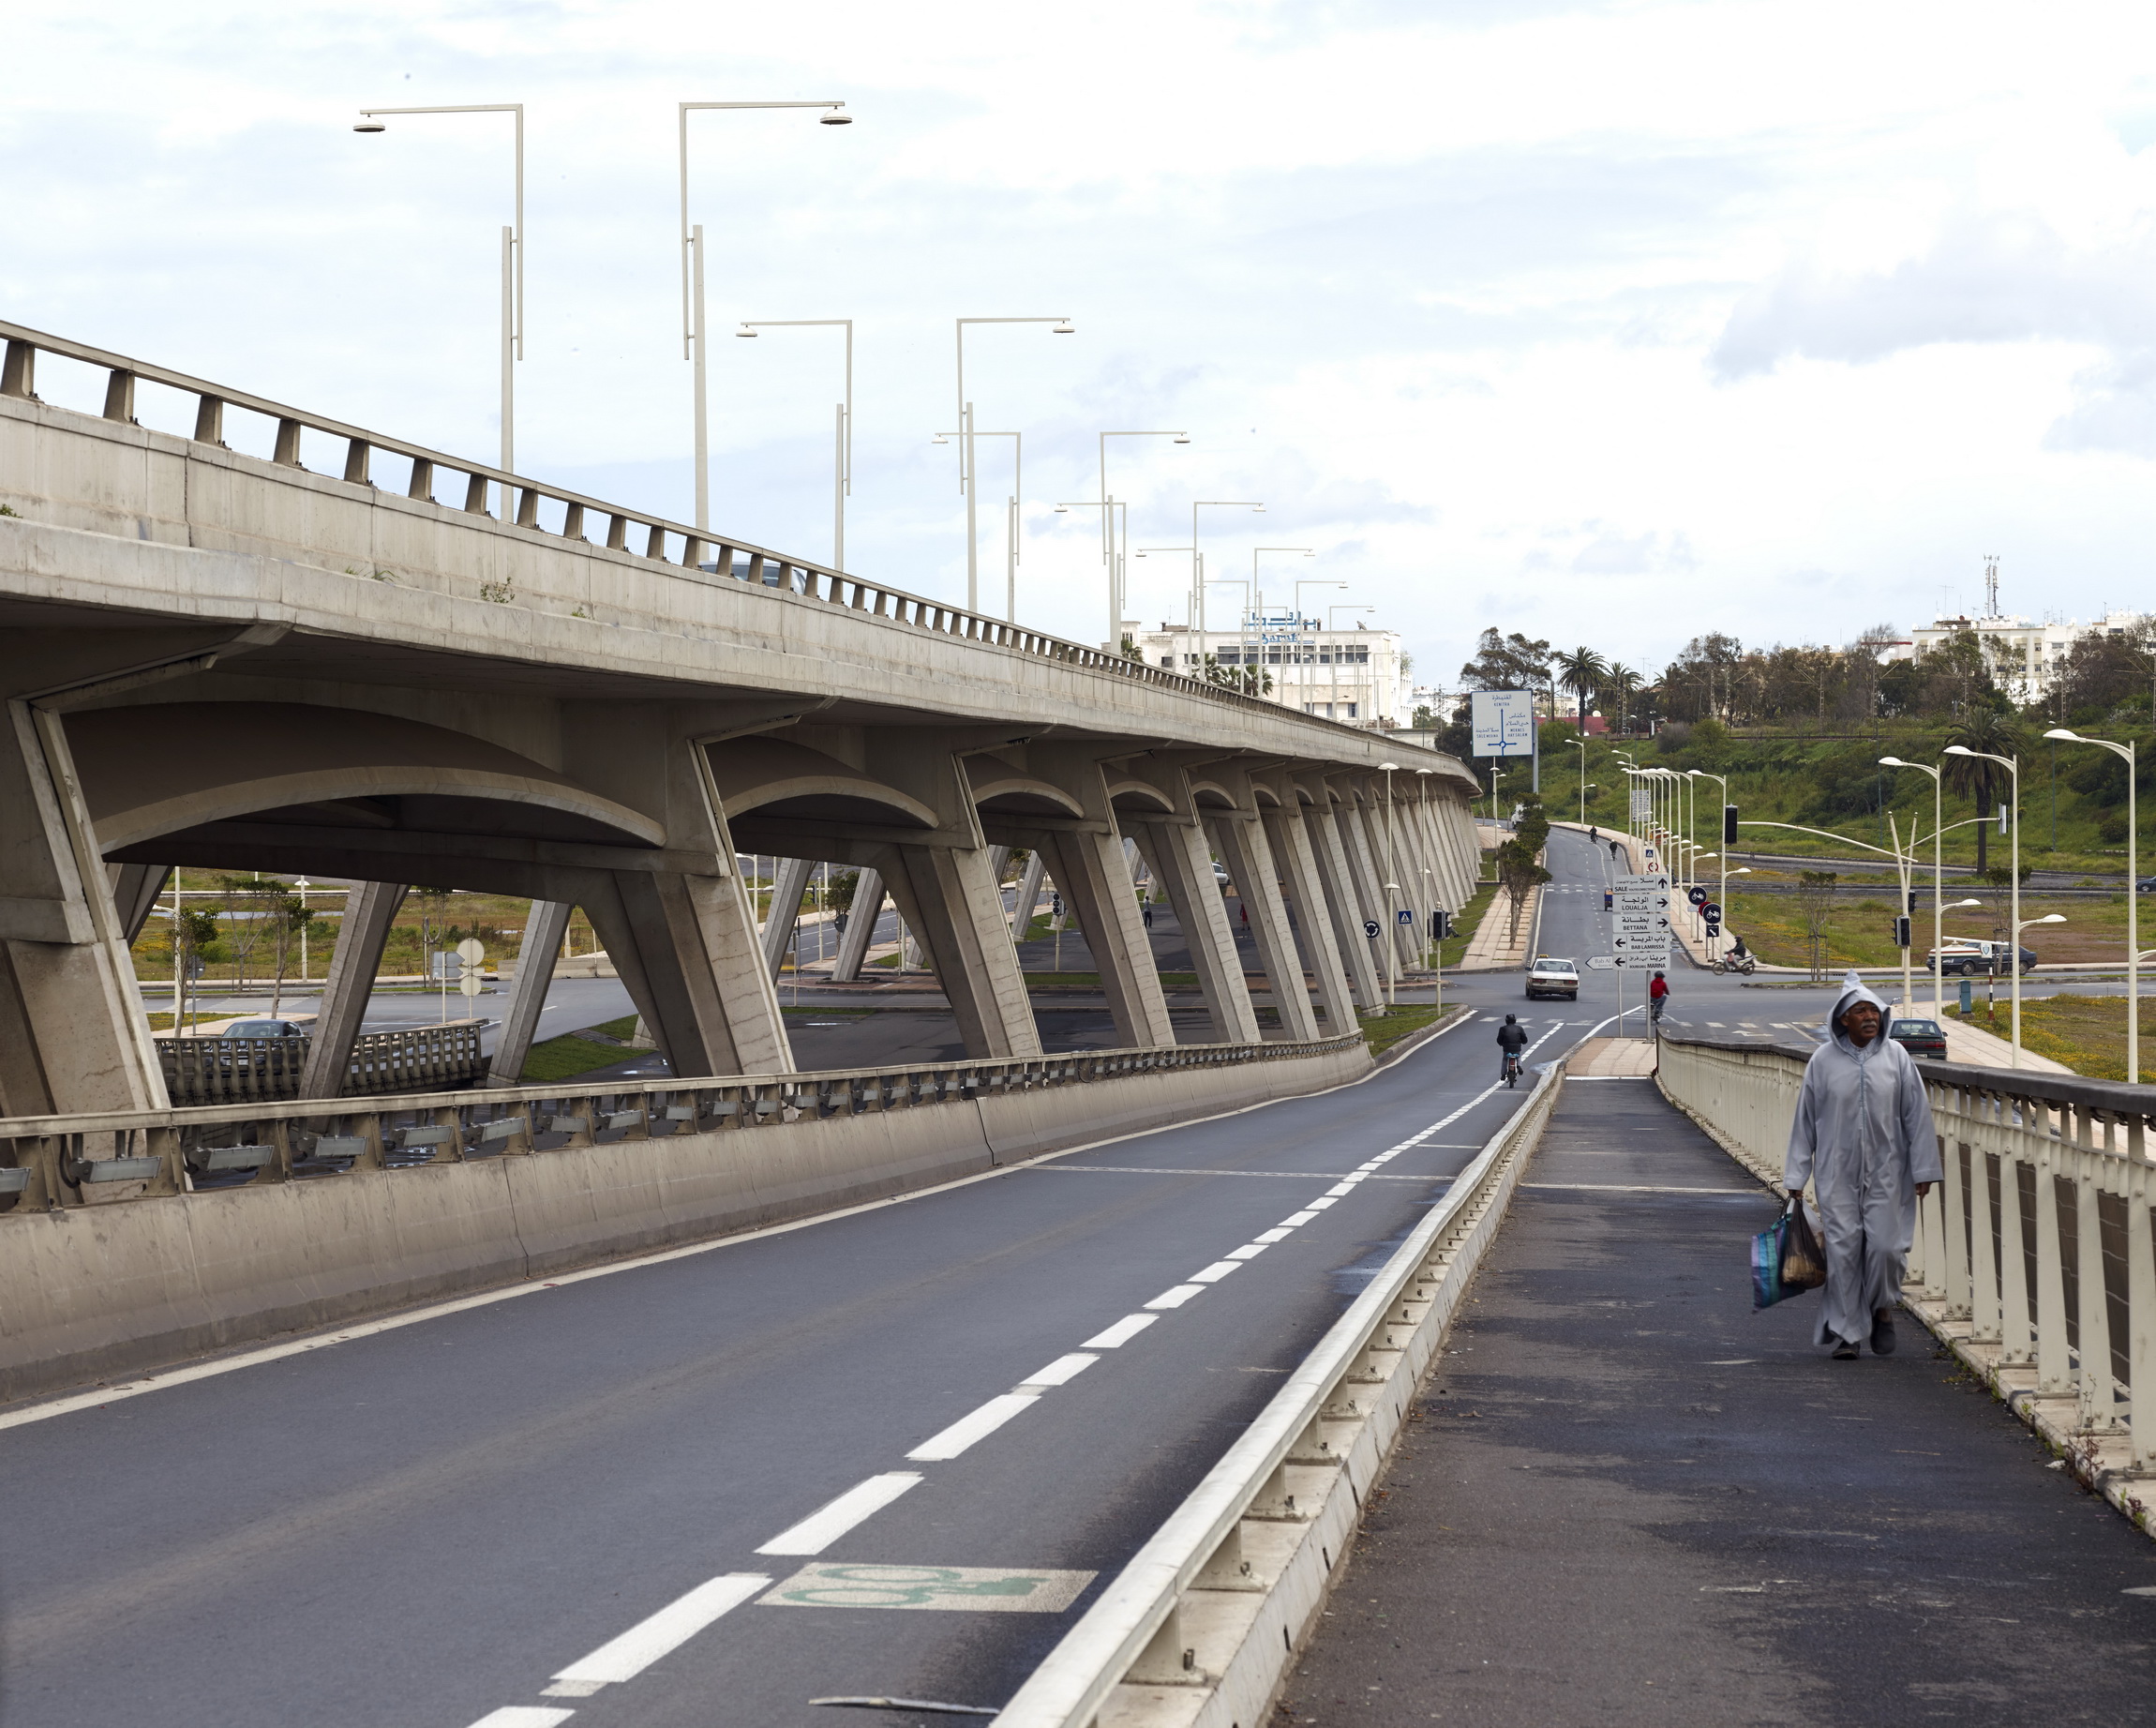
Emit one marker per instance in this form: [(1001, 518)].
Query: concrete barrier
[(93, 1291)]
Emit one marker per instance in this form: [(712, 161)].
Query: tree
[(1995, 734), (196, 933), (1519, 874), (1621, 681), (1512, 662), (1583, 671), (1816, 895)]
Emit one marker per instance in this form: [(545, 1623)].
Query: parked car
[(1971, 958), (1552, 977), (1926, 1037), (2146, 884)]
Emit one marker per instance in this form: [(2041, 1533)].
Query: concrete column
[(1182, 864), (1343, 903), (72, 1034), (370, 910), (686, 948), (789, 881), (860, 922), (1363, 874), (135, 891), (1298, 867), (1028, 896), (544, 927), (1384, 858), (1094, 879), (1241, 841), (948, 900)]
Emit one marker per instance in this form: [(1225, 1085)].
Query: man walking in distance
[(1863, 1138)]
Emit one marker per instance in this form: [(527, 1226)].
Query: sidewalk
[(1496, 947), (1626, 1498)]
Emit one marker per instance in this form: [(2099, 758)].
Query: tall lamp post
[(1937, 876), (842, 479), (512, 260), (1580, 744), (1722, 890), (2126, 753), (1333, 689), (1061, 327), (1301, 583), (1197, 570), (692, 344), (1112, 552), (1011, 516), (2013, 766)]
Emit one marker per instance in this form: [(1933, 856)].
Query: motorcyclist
[(1657, 997), (1511, 1041)]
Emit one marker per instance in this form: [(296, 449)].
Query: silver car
[(1552, 977)]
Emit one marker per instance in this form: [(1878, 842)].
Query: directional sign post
[(1601, 963)]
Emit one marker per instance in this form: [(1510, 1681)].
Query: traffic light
[(1901, 933), (1910, 908), (1728, 824), (1441, 925)]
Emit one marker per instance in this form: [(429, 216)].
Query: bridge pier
[(1288, 834), (867, 909), (1239, 836), (949, 900), (1343, 903), (370, 910), (544, 927), (1182, 862)]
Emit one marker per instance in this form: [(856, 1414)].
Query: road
[(428, 1524)]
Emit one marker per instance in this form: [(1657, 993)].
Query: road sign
[(1601, 963), (1503, 722), (471, 951), (1405, 915), (1640, 924), (1697, 894), (1370, 927), (1711, 913), (1653, 879), (469, 984)]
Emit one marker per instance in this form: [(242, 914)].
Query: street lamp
[(1011, 516), (842, 482), (1937, 877), (2013, 766), (692, 344), (1110, 553), (1580, 744), (1722, 893), (2126, 753), (1258, 607), (1198, 557), (1061, 327), (1118, 536), (511, 263)]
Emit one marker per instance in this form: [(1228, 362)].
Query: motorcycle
[(1745, 964), (1511, 1068)]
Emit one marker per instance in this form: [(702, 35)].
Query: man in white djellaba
[(1863, 1138)]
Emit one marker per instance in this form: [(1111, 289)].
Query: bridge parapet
[(227, 1069), (2048, 1177)]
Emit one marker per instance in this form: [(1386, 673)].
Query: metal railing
[(695, 554), (2036, 1252), (1202, 1621), (86, 1159), (209, 1071)]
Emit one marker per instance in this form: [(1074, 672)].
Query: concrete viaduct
[(353, 656)]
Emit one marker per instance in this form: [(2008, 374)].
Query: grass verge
[(2086, 1032), (1381, 1032), (1464, 924), (573, 1053)]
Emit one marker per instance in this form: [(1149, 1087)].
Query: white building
[(1351, 675), (2024, 656)]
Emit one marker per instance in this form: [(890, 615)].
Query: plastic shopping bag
[(1786, 1258)]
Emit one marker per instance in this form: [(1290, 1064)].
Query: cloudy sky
[(1609, 323)]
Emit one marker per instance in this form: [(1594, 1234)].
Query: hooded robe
[(1864, 1137)]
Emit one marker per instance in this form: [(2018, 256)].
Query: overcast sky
[(1608, 322)]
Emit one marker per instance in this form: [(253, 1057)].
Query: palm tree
[(1621, 681), (1996, 734), (1584, 670)]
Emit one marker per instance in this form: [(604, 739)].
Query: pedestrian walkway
[(1499, 945), (1626, 1497)]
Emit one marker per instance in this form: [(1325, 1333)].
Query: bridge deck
[(1630, 1498)]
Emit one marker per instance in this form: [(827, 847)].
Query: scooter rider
[(1658, 997), (1511, 1040)]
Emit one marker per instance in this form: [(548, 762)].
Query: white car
[(1552, 977)]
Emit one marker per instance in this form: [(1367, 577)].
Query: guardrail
[(2055, 1168), (695, 554), (65, 1161), (1202, 1623), (208, 1070)]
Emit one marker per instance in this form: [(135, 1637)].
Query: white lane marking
[(1215, 1272), (1296, 1176), (1295, 1223), (1176, 1298), (1249, 1250), (1127, 1328), (821, 1528), (968, 1429), (1318, 1206), (524, 1716), (1279, 1233), (1346, 1187), (1063, 1370), (627, 1656)]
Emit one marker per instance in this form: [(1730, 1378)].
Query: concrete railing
[(209, 1071), (1198, 1629), (2055, 1168), (695, 554), (165, 1151)]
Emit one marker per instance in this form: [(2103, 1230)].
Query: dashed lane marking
[(627, 1656), (821, 1528)]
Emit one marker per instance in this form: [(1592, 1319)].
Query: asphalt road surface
[(427, 1524)]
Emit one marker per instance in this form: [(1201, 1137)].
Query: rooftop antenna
[(1991, 585)]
